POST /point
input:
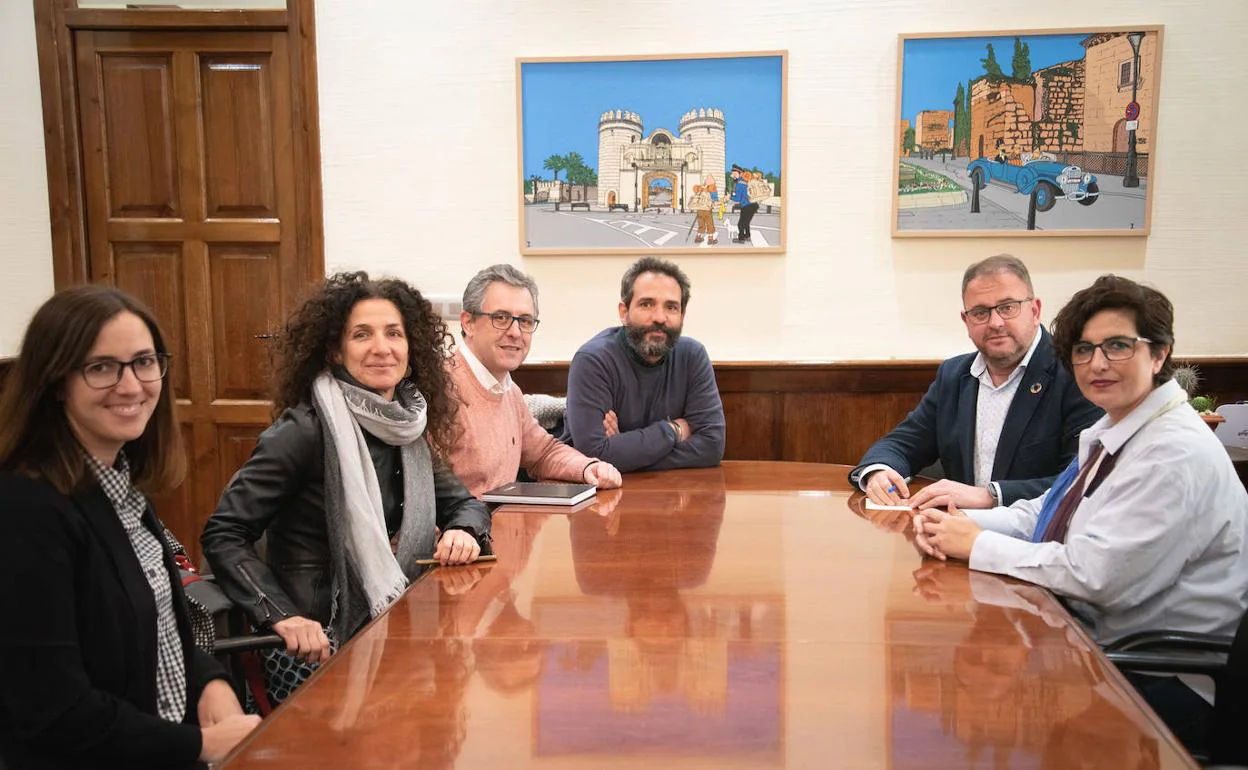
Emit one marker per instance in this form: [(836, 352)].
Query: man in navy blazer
[(1003, 421)]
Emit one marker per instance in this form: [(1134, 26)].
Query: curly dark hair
[(314, 332), (1153, 314)]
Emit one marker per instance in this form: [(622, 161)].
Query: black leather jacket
[(279, 493)]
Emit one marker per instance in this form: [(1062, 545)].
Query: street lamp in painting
[(1130, 177)]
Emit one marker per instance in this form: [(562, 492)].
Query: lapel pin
[(1036, 388)]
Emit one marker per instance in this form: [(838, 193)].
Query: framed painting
[(665, 154), (1028, 132)]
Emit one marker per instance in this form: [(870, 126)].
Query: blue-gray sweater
[(607, 375)]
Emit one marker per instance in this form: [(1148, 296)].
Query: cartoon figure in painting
[(1002, 157), (700, 204), (741, 197), (758, 188), (718, 203)]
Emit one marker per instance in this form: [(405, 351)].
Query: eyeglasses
[(502, 320), (1007, 310), (106, 373), (1114, 348)]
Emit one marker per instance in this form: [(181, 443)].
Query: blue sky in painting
[(562, 101), (932, 67)]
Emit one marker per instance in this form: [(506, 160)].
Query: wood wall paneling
[(833, 412), (756, 425)]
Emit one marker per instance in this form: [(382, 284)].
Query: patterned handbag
[(205, 600)]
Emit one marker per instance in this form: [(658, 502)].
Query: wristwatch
[(994, 492), (675, 426)]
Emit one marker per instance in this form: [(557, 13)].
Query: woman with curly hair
[(348, 485)]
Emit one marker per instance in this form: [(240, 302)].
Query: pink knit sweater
[(499, 436)]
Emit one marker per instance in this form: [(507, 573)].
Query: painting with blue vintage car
[(1036, 132), (1050, 180)]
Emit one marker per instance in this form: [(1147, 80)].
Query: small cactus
[(1202, 404), (1188, 377)]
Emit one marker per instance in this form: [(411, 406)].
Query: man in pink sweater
[(498, 433)]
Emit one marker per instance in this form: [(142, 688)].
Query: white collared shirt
[(483, 375), (1162, 543), (991, 407)]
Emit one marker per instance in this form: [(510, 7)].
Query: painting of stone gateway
[(1049, 132), (672, 154)]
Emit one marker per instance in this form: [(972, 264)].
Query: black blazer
[(78, 638), (1039, 438)]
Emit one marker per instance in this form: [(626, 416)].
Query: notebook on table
[(538, 493)]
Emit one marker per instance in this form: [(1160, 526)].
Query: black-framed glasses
[(502, 320), (1114, 348), (106, 372), (1007, 310)]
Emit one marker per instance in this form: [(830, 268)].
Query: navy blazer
[(78, 638), (1038, 440)]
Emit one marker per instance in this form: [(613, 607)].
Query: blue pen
[(891, 490)]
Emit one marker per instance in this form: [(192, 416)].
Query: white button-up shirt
[(483, 375), (1162, 543), (991, 406)]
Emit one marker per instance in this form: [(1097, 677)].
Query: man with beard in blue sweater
[(640, 396)]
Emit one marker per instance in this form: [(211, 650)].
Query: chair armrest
[(236, 644), (1156, 641), (1171, 662)]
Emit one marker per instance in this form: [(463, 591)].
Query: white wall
[(25, 231), (418, 133), (436, 101)]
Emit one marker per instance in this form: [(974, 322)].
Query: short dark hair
[(35, 435), (998, 263), (654, 265), (1153, 314)]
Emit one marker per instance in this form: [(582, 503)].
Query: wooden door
[(189, 197)]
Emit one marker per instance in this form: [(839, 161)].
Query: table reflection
[(683, 669), (972, 687), (431, 687)]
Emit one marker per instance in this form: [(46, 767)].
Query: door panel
[(239, 274), (153, 271), (189, 182), (235, 445), (238, 137), (138, 141)]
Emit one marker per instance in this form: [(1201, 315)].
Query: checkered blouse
[(130, 504)]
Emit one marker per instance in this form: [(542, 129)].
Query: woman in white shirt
[(1147, 527)]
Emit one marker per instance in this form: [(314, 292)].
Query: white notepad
[(873, 506)]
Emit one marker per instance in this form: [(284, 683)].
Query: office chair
[(1224, 659), (220, 629)]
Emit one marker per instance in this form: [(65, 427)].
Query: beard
[(1009, 357), (638, 340)]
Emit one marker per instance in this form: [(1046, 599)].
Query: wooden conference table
[(748, 616)]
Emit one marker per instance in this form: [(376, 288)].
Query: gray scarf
[(367, 576)]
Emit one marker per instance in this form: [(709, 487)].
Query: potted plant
[(1188, 377)]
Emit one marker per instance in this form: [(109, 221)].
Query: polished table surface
[(748, 616)]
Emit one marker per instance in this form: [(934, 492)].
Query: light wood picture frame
[(652, 154), (1049, 132)]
